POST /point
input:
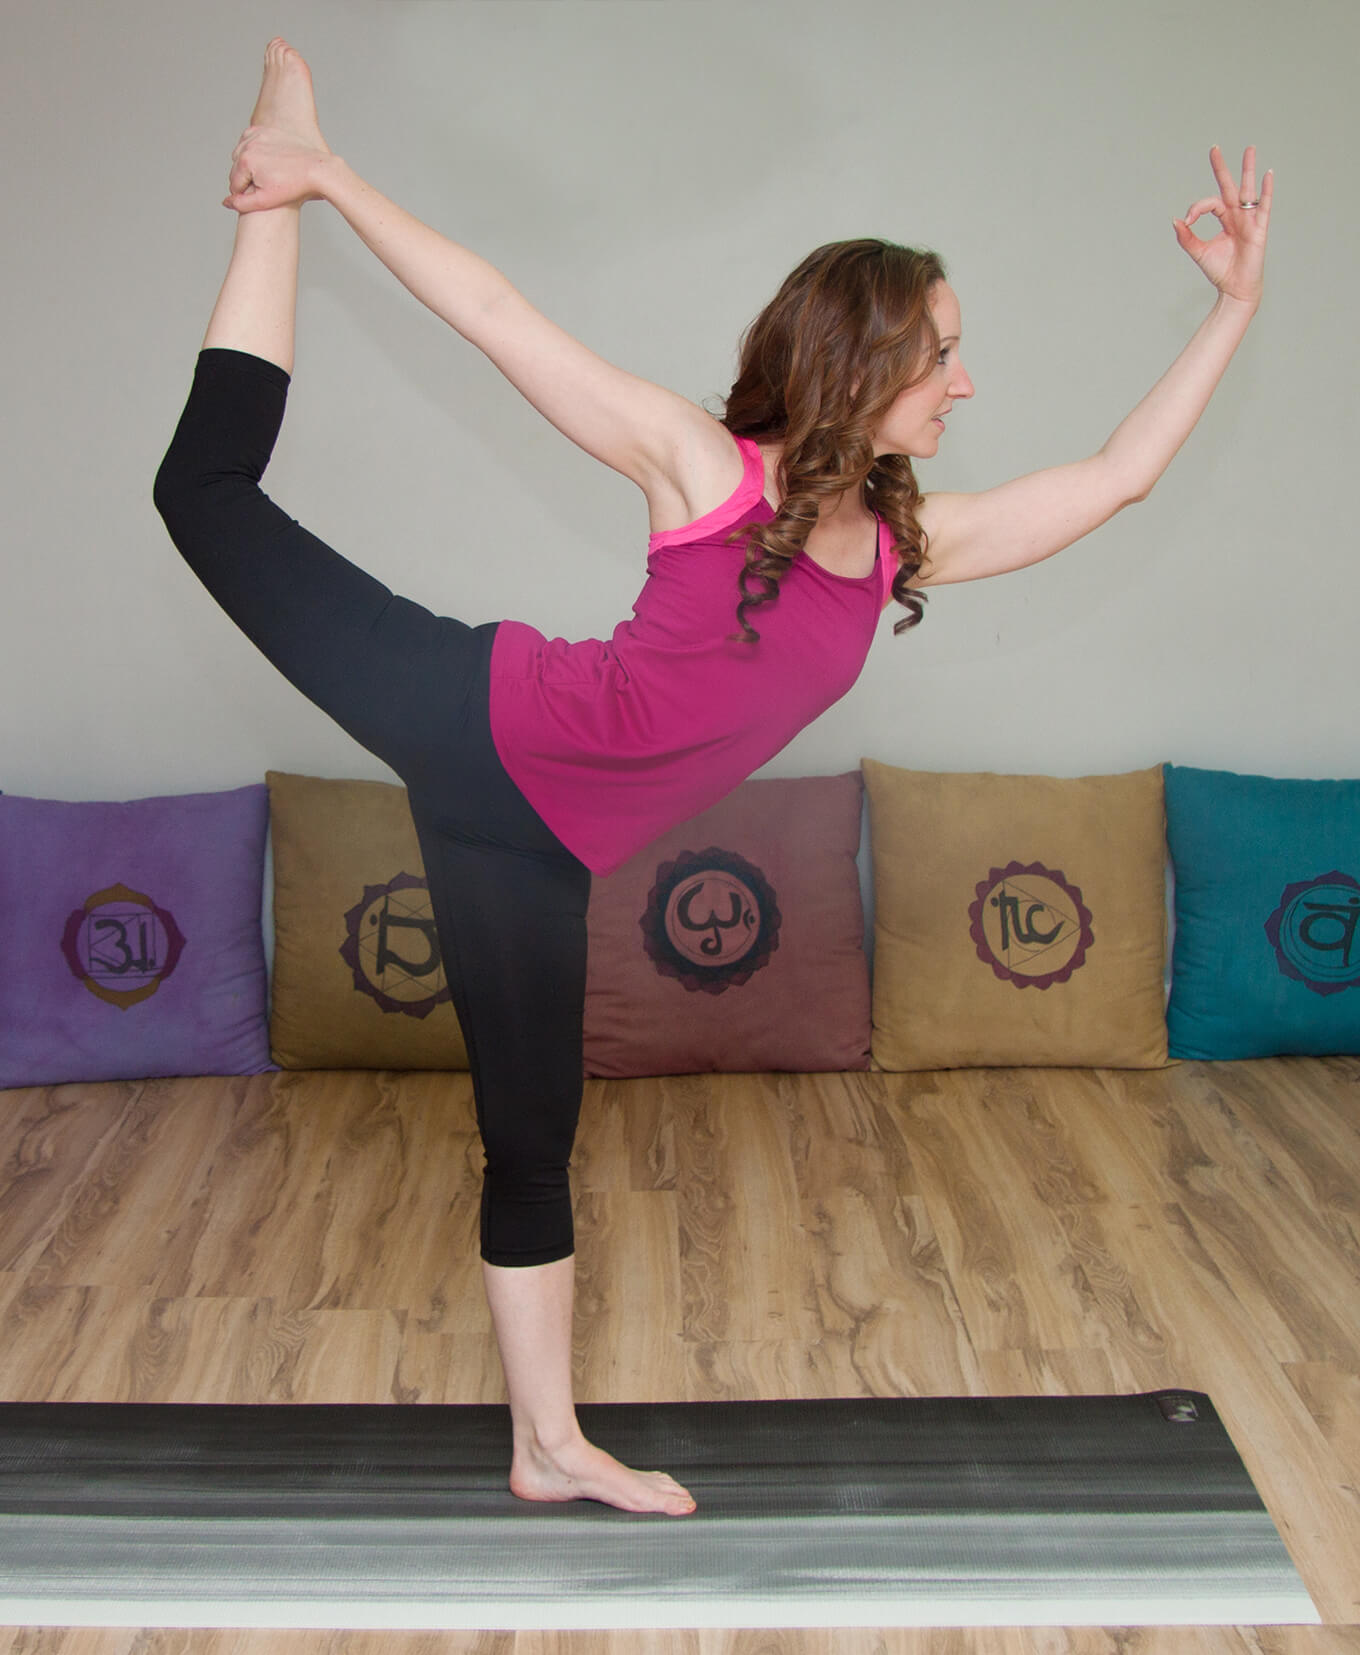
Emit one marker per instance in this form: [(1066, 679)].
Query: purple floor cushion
[(133, 944)]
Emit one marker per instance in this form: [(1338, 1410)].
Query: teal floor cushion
[(1267, 951)]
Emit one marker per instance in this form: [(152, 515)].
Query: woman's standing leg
[(512, 927), (531, 1305)]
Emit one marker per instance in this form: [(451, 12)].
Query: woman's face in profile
[(914, 424)]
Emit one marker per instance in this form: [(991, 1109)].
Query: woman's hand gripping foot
[(275, 164)]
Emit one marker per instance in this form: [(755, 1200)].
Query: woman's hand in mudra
[(1234, 260)]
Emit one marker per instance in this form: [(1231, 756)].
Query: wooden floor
[(312, 1238)]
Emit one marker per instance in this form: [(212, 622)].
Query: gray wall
[(647, 171)]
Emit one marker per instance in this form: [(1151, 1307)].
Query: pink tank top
[(613, 743)]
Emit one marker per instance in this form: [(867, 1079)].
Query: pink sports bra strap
[(733, 509)]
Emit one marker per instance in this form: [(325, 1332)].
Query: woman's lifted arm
[(1024, 521), (637, 428)]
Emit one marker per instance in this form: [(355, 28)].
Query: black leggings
[(509, 899)]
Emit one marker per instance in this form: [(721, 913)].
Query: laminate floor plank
[(1052, 1373), (1001, 1242), (848, 1131), (49, 1136), (1259, 1229), (886, 1296), (348, 1191), (1332, 1398), (628, 1345), (136, 1186), (745, 1264), (1306, 1112), (730, 1369), (628, 1140)]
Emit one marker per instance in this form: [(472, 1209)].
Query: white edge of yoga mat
[(603, 1615)]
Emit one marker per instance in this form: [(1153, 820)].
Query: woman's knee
[(526, 1221), (530, 1148), (526, 1190)]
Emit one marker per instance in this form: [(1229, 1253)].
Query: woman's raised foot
[(286, 100), (282, 156)]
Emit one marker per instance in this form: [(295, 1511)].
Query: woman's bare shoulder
[(702, 469)]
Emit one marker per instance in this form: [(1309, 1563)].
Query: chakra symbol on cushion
[(712, 920), (1315, 933), (392, 947), (121, 945), (1030, 925)]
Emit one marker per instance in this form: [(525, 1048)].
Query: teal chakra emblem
[(1315, 932)]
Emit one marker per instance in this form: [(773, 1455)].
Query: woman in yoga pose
[(779, 535)]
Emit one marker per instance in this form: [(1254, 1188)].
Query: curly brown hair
[(847, 332)]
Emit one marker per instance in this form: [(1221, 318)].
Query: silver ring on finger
[(1247, 206)]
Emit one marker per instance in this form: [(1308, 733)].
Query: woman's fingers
[(1267, 192), (243, 143), (240, 175), (1227, 184), (1209, 204), (1233, 192), (1186, 236), (1234, 196), (1248, 191)]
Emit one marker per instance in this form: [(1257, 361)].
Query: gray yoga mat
[(944, 1512)]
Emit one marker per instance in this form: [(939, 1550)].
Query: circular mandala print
[(712, 920), (1030, 925), (1315, 933), (392, 947), (121, 945)]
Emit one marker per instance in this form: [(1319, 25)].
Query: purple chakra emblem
[(1315, 933), (1030, 925), (712, 920), (392, 947), (121, 945)]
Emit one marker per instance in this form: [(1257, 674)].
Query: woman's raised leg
[(256, 310)]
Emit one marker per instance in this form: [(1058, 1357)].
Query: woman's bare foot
[(580, 1471), (282, 156), (286, 100)]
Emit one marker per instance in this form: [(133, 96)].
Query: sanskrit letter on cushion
[(1019, 920), (132, 938), (358, 978), (1267, 955), (735, 942)]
